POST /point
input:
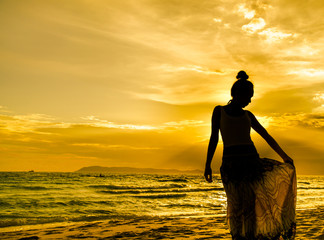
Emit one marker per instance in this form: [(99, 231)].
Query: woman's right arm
[(269, 139), (212, 142)]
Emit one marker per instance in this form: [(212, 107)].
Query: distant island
[(102, 170)]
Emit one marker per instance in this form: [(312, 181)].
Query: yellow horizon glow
[(135, 83)]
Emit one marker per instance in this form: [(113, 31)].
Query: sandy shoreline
[(310, 225)]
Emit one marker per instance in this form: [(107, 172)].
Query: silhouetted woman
[(261, 192)]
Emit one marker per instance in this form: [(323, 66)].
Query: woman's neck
[(234, 109)]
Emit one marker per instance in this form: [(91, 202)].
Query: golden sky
[(134, 83)]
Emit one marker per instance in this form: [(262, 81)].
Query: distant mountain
[(99, 169)]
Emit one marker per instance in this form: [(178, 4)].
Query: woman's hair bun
[(242, 75)]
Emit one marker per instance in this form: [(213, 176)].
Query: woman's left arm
[(270, 140)]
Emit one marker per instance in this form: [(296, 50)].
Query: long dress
[(261, 192)]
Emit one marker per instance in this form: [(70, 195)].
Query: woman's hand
[(208, 174)]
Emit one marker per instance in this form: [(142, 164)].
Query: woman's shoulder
[(217, 109), (217, 114), (250, 114)]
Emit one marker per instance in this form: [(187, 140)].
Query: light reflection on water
[(310, 192), (31, 198)]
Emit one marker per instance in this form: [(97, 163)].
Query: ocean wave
[(39, 204), (112, 187), (154, 196), (173, 180), (195, 206), (78, 203), (34, 188), (204, 189), (303, 183), (8, 221), (30, 198), (91, 215), (187, 190), (54, 204), (88, 203), (100, 211), (105, 202), (4, 203), (50, 204)]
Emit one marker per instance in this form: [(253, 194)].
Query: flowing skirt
[(261, 195)]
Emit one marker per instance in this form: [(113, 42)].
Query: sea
[(28, 198)]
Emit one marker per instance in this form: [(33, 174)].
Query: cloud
[(243, 10), (296, 100), (185, 86), (319, 98), (303, 51), (255, 25), (112, 147), (194, 68), (70, 146), (28, 123), (37, 140), (185, 123), (217, 20), (123, 47), (4, 109), (96, 122), (148, 74), (38, 122), (310, 72), (312, 121), (275, 35)]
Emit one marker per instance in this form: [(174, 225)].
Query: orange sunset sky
[(134, 82)]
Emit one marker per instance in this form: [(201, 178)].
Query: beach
[(310, 225)]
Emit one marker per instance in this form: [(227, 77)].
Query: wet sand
[(310, 225)]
